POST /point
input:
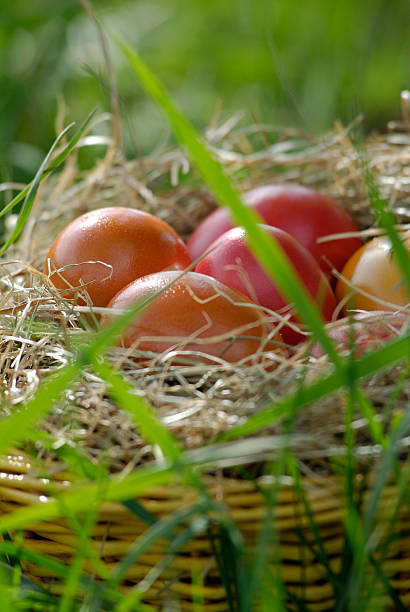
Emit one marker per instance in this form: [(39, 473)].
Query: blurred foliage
[(285, 62)]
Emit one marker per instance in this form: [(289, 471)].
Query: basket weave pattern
[(117, 528)]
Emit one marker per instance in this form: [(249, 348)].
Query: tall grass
[(249, 576)]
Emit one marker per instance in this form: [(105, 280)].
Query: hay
[(196, 402)]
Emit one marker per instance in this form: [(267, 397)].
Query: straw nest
[(197, 403)]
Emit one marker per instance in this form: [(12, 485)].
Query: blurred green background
[(288, 62)]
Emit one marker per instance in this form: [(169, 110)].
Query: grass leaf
[(267, 250), (389, 354), (16, 427), (386, 219), (57, 161), (152, 430), (31, 194), (73, 578), (81, 496), (165, 528)]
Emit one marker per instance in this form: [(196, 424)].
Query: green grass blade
[(388, 409), (400, 431), (274, 589), (107, 335), (195, 527), (386, 219), (319, 552), (17, 551), (265, 248), (224, 572), (124, 394), (25, 584), (59, 569), (140, 511), (231, 560), (162, 529), (268, 538), (358, 553), (6, 593), (79, 463), (375, 424), (394, 532), (57, 161), (73, 579), (16, 427), (381, 358), (81, 497), (353, 556), (31, 194), (82, 526), (396, 600)]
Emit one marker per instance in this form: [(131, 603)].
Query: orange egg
[(196, 316), (376, 277), (106, 249)]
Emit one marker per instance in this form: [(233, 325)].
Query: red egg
[(231, 262), (365, 331), (302, 212)]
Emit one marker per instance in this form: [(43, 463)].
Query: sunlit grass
[(48, 166)]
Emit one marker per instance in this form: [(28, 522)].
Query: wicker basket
[(117, 528)]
